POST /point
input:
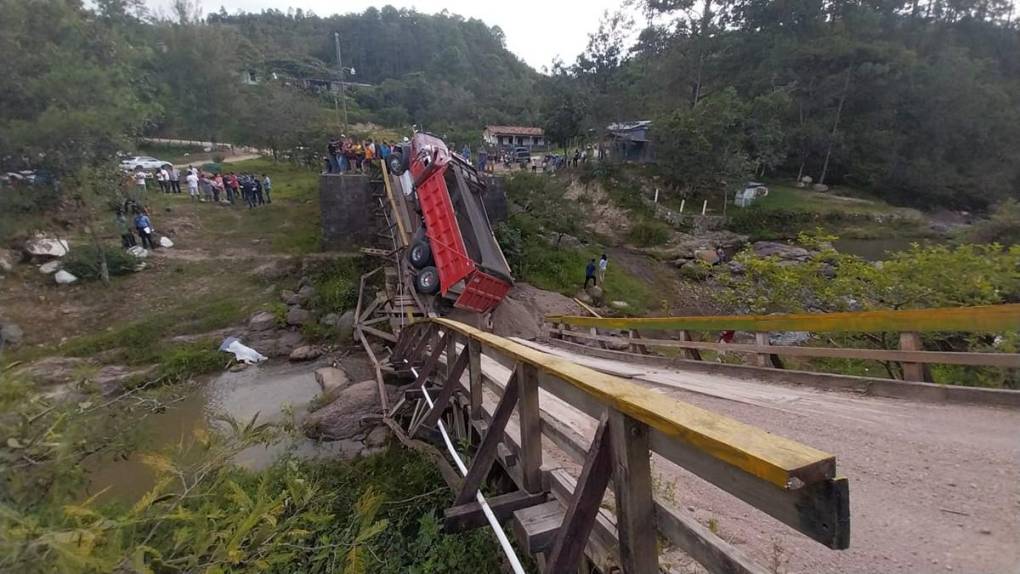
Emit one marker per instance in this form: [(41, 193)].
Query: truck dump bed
[(471, 266)]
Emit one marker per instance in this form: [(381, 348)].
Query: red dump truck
[(455, 252)]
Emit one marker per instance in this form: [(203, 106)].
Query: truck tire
[(427, 281), (420, 254)]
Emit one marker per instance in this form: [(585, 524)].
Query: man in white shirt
[(175, 179), (163, 177), (140, 180), (192, 180)]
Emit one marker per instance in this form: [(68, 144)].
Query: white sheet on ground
[(242, 352)]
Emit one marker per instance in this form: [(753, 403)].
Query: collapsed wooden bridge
[(544, 437), (519, 409)]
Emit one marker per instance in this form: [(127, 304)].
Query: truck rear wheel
[(427, 281), (420, 255)]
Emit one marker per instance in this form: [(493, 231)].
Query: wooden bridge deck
[(934, 486)]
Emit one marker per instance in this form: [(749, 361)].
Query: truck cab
[(454, 252)]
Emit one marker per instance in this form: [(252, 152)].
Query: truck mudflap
[(482, 292)]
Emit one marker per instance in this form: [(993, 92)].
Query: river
[(272, 391)]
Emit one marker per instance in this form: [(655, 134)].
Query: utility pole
[(340, 63)]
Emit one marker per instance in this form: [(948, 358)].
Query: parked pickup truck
[(454, 252)]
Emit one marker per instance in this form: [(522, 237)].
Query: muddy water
[(272, 391)]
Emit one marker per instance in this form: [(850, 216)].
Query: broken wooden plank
[(536, 526), (469, 515)]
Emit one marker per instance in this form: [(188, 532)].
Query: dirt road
[(933, 488)]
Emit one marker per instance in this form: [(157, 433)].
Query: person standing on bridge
[(589, 274)]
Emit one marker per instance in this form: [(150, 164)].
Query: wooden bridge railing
[(907, 323), (794, 483)]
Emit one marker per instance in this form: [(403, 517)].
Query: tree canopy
[(917, 102)]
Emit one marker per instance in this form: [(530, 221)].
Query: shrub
[(85, 263), (648, 233), (336, 286), (1002, 227)]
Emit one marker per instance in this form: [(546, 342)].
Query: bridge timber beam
[(794, 483)]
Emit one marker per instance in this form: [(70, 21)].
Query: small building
[(514, 136), (629, 141)]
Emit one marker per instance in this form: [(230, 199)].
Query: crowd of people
[(133, 220), (227, 188), (345, 154)]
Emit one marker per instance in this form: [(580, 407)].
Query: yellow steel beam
[(771, 458), (985, 319)]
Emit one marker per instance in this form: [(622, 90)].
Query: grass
[(788, 197), (788, 211), (290, 225), (562, 270)]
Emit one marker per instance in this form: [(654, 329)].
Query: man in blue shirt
[(144, 227), (589, 274)]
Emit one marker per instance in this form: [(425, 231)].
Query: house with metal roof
[(629, 141)]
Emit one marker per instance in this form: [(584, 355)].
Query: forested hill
[(82, 79), (439, 69)]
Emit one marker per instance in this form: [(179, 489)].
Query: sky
[(536, 30)]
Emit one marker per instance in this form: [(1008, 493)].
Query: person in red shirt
[(232, 187)]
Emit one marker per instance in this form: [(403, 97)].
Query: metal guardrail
[(794, 483)]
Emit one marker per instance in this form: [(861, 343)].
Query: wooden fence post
[(762, 359), (693, 354), (912, 342), (531, 427), (632, 485), (475, 378)]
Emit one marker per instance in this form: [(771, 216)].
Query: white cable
[(515, 563)]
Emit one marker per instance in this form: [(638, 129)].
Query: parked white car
[(135, 162)]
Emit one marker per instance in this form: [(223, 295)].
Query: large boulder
[(262, 321), (595, 293), (112, 379), (298, 316), (7, 260), (50, 267), (709, 256), (306, 353), (41, 248), (64, 278), (780, 250), (342, 418), (10, 334), (329, 319), (306, 292), (165, 242), (289, 297), (332, 380), (345, 327), (53, 370)]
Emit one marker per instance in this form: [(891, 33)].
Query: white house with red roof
[(513, 136)]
